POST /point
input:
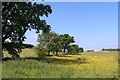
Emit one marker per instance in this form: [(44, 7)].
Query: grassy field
[(84, 65)]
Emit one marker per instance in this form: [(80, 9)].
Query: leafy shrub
[(40, 51), (90, 50), (111, 49)]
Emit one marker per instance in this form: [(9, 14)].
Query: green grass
[(85, 65), (0, 70), (25, 53), (34, 69)]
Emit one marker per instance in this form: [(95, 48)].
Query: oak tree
[(17, 19)]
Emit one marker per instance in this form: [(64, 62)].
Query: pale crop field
[(83, 65)]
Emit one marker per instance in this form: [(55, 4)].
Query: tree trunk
[(48, 53), (64, 50), (56, 53)]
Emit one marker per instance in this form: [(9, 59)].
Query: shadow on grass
[(64, 56), (8, 58), (50, 60), (65, 61)]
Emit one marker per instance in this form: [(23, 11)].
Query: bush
[(111, 49), (40, 51), (90, 50)]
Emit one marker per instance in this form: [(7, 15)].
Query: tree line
[(111, 49), (55, 43)]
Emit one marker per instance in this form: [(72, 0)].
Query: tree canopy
[(54, 42), (65, 40), (17, 18), (50, 41)]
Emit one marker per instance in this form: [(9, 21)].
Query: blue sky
[(94, 25)]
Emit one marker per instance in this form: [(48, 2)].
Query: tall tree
[(44, 38), (65, 40), (50, 41), (54, 45), (74, 49), (17, 18)]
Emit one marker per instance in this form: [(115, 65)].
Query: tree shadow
[(65, 61), (26, 58), (64, 56), (7, 58), (50, 60)]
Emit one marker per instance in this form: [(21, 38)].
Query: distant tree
[(90, 50), (81, 49), (73, 49), (111, 49), (17, 18), (65, 41), (44, 38), (55, 42), (50, 41), (54, 46)]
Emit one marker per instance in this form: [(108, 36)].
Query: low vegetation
[(86, 65), (111, 49), (90, 50)]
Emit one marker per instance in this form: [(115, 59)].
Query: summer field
[(83, 65)]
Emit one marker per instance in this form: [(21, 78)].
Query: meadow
[(101, 64)]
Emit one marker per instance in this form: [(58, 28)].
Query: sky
[(94, 25)]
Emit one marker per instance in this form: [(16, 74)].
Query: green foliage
[(81, 49), (17, 18), (56, 43), (44, 38), (65, 40), (73, 49), (90, 50), (40, 51), (111, 49), (13, 49), (50, 41)]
